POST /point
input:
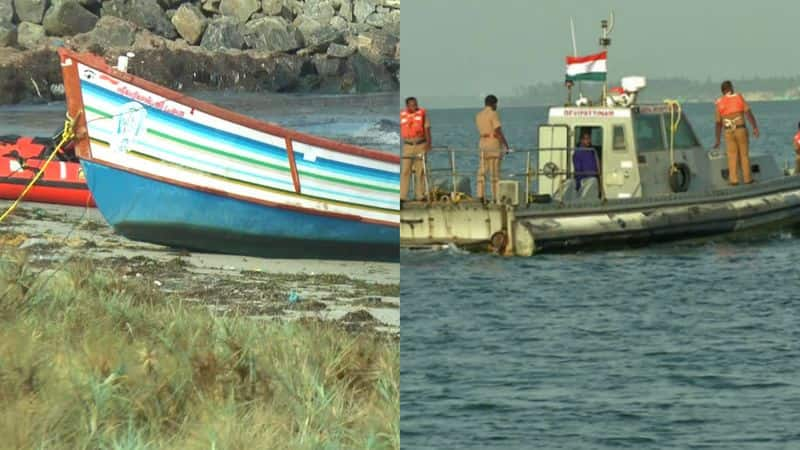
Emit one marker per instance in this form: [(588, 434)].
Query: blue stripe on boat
[(151, 210), (249, 144)]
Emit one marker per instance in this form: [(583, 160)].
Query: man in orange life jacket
[(797, 151), (415, 130), (731, 111), (491, 143)]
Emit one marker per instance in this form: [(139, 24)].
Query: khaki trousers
[(489, 161), (412, 162), (736, 143), (797, 164)]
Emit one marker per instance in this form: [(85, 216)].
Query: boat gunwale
[(98, 63), (769, 187), (580, 208)]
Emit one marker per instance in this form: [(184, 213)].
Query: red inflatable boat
[(62, 181)]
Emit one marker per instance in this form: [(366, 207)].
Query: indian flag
[(587, 68)]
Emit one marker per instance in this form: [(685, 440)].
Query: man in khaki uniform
[(415, 130), (730, 113), (491, 145)]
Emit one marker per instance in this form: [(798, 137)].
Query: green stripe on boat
[(255, 161), (342, 203)]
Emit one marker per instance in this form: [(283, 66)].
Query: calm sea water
[(682, 345), (369, 120)]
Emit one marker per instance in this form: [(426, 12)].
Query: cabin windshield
[(684, 136), (649, 131), (653, 132)]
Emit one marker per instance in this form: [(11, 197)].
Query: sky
[(454, 48)]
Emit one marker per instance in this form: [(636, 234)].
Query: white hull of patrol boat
[(775, 203), (564, 226)]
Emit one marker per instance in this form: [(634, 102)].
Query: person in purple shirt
[(584, 160)]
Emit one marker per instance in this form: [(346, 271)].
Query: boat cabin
[(638, 151)]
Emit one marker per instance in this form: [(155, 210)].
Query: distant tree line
[(684, 89)]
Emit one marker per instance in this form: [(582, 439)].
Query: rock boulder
[(321, 11), (146, 39), (30, 10), (6, 11), (340, 51), (377, 46), (8, 34), (378, 19), (362, 9), (271, 7), (346, 10), (281, 74), (271, 34), (222, 33), (365, 76), (146, 14), (339, 24), (115, 32), (240, 9), (211, 6), (68, 17), (392, 24), (30, 35), (190, 22), (109, 32), (316, 35), (326, 67)]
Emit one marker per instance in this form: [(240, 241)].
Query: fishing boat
[(170, 169), (62, 182), (644, 178)]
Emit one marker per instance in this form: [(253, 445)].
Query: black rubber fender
[(680, 176)]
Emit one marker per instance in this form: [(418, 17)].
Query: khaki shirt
[(486, 122)]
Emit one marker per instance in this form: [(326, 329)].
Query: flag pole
[(575, 52)]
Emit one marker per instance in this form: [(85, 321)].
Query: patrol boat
[(653, 182)]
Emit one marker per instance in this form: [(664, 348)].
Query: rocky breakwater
[(325, 46)]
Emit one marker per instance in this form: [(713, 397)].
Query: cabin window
[(597, 138), (619, 138), (684, 136), (649, 132)]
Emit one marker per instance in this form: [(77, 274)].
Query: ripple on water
[(679, 345)]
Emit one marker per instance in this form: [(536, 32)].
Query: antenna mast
[(605, 42)]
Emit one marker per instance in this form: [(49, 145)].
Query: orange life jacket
[(797, 139), (731, 104), (412, 125)]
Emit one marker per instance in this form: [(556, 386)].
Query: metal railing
[(531, 174)]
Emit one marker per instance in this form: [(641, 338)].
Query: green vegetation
[(91, 361)]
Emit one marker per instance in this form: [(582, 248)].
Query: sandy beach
[(360, 295)]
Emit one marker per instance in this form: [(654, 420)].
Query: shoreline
[(362, 296)]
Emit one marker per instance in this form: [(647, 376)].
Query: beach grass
[(89, 360)]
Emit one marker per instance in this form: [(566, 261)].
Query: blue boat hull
[(149, 210)]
